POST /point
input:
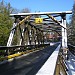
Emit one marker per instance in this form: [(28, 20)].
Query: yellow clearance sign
[(38, 20)]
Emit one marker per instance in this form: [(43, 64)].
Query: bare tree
[(25, 10)]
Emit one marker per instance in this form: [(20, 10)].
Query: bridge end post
[(64, 36)]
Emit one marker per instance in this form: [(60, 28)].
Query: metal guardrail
[(5, 51), (71, 49), (22, 46)]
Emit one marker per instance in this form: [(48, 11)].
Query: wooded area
[(71, 32), (6, 21)]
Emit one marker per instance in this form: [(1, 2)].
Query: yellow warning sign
[(38, 20)]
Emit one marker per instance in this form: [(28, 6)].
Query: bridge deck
[(27, 65), (49, 67)]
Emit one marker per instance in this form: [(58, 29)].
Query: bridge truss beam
[(38, 29)]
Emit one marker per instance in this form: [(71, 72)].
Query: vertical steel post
[(30, 35), (11, 35), (63, 40), (39, 37), (64, 34), (64, 31), (35, 37), (21, 34), (43, 39)]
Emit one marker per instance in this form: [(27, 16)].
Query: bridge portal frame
[(49, 14)]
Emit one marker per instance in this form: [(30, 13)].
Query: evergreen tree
[(5, 22), (72, 26)]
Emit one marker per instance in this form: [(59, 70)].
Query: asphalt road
[(27, 65)]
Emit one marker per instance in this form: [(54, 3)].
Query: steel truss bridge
[(28, 52)]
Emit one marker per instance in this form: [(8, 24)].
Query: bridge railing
[(71, 49), (6, 51)]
